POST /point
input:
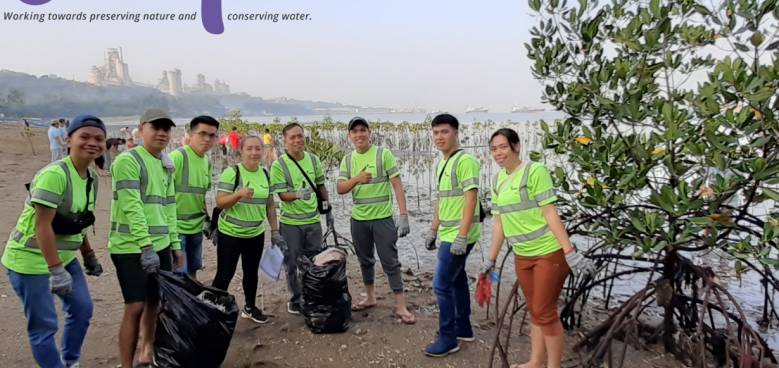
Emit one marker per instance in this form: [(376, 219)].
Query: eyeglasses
[(206, 135)]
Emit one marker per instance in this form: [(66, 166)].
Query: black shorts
[(133, 280)]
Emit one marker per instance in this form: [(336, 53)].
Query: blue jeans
[(450, 285), (41, 316), (192, 246)]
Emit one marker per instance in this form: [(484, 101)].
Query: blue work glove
[(459, 246), (60, 281)]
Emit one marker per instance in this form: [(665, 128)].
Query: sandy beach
[(376, 338)]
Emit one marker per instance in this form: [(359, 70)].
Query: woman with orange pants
[(523, 200)]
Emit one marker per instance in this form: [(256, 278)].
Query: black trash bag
[(327, 304), (195, 323)]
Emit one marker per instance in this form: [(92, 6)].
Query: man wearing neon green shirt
[(143, 231), (193, 181), (292, 177), (457, 225), (370, 173)]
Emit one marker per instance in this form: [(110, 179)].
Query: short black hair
[(448, 119), (290, 126), (203, 119), (267, 130), (235, 128)]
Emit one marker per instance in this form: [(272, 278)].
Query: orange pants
[(541, 279)]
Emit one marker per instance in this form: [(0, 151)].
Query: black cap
[(358, 121)]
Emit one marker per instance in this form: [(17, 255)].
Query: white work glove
[(403, 227), (60, 281), (459, 246), (303, 193), (150, 261), (487, 267), (167, 162), (579, 265), (277, 240)]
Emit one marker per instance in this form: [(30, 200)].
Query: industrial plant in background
[(116, 72)]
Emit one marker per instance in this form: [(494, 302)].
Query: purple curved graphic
[(211, 11), (35, 2)]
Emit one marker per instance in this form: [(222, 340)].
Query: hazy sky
[(435, 54)]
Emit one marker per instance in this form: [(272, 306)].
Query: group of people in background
[(159, 212)]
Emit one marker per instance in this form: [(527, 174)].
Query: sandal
[(407, 319), (361, 306)]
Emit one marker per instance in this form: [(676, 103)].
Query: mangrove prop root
[(698, 340)]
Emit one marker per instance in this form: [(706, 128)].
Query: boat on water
[(472, 109), (517, 109)]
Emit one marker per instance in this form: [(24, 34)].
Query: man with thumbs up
[(372, 224)]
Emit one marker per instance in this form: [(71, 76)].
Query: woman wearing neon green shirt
[(244, 195), (523, 200), (40, 254)]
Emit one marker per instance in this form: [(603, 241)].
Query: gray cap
[(155, 115)]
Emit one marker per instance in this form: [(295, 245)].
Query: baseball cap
[(358, 121), (82, 121), (156, 116)]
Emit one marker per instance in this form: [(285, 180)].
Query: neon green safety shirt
[(518, 200), (286, 177), (373, 200), (193, 180), (458, 174), (245, 218), (58, 186), (143, 209)]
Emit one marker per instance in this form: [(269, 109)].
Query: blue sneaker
[(466, 334), (440, 349), (467, 338)]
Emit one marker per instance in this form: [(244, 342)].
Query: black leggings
[(228, 250)]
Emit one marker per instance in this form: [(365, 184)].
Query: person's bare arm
[(557, 228), (270, 212), (226, 200), (346, 186), (323, 192), (435, 223), (288, 196), (497, 238), (400, 194)]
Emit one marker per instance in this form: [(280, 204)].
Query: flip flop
[(408, 319), (362, 306)]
